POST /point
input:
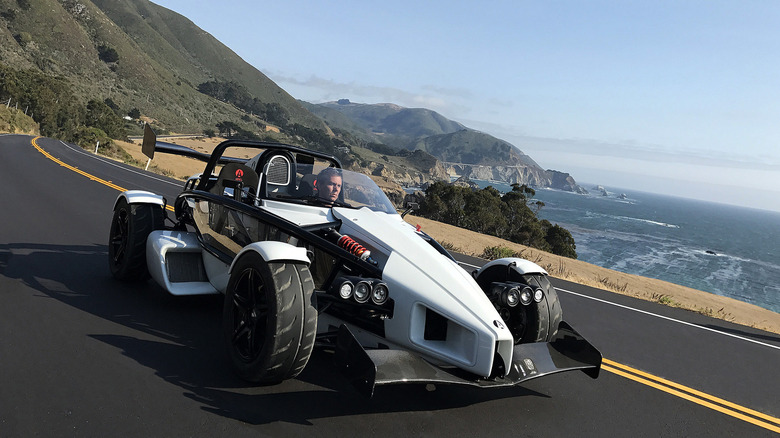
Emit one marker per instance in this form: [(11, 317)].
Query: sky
[(673, 97)]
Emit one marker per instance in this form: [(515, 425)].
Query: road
[(84, 355)]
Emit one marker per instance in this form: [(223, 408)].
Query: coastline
[(649, 289), (472, 243)]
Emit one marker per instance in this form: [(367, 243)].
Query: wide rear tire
[(269, 321), (130, 227)]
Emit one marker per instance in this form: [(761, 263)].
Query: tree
[(227, 128), (486, 211), (134, 113), (107, 54), (101, 116), (561, 241)]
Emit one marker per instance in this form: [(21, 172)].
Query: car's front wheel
[(130, 227), (269, 320)]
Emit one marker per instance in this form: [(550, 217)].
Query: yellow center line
[(690, 394), (705, 400), (81, 172)]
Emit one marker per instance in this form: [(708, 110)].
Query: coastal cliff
[(522, 174)]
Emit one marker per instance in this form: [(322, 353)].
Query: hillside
[(140, 58), (385, 122), (463, 152), (472, 147), (139, 55)]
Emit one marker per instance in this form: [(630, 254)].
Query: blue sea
[(727, 250)]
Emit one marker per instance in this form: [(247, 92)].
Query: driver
[(328, 184)]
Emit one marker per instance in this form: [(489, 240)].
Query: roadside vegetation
[(512, 216)]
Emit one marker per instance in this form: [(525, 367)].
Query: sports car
[(311, 255)]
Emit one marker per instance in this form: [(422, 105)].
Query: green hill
[(386, 123), (420, 129), (472, 147), (139, 55)]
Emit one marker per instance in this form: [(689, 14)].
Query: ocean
[(726, 250)]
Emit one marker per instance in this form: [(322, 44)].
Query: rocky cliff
[(531, 176)]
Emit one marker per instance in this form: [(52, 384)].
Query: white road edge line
[(655, 315), (81, 151), (670, 319)]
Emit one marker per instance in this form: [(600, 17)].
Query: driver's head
[(329, 184)]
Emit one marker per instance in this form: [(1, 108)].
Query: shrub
[(498, 252), (107, 54)]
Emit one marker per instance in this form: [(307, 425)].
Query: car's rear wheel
[(130, 227), (269, 321)]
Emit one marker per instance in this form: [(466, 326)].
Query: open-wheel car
[(309, 254)]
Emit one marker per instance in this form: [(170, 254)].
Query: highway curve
[(84, 355)]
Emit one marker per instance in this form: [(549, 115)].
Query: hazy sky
[(675, 97)]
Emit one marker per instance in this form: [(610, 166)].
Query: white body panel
[(158, 245), (140, 197), (272, 251), (522, 266), (301, 215), (420, 278)]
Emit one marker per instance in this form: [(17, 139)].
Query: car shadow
[(183, 344)]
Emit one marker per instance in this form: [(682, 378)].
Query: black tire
[(269, 320), (130, 227), (522, 321)]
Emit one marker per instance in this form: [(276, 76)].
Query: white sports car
[(311, 255)]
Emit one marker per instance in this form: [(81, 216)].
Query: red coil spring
[(350, 245)]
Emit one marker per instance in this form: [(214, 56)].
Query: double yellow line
[(34, 142), (690, 394)]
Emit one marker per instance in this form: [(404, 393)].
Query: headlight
[(345, 291), (362, 291), (538, 295), (379, 293), (526, 295), (510, 296)]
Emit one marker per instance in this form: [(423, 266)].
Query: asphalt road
[(84, 355)]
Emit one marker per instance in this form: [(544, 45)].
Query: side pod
[(366, 369)]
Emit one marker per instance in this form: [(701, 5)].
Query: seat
[(306, 186), (237, 181)]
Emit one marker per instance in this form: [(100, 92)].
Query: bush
[(498, 252), (87, 137), (107, 54), (486, 211)]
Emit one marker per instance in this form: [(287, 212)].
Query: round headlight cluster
[(362, 290), (538, 295)]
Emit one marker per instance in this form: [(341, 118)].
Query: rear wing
[(151, 145)]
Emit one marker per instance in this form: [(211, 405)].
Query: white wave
[(648, 221)]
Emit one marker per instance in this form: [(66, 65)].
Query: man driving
[(328, 184)]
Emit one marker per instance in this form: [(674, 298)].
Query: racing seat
[(237, 181), (306, 186)]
